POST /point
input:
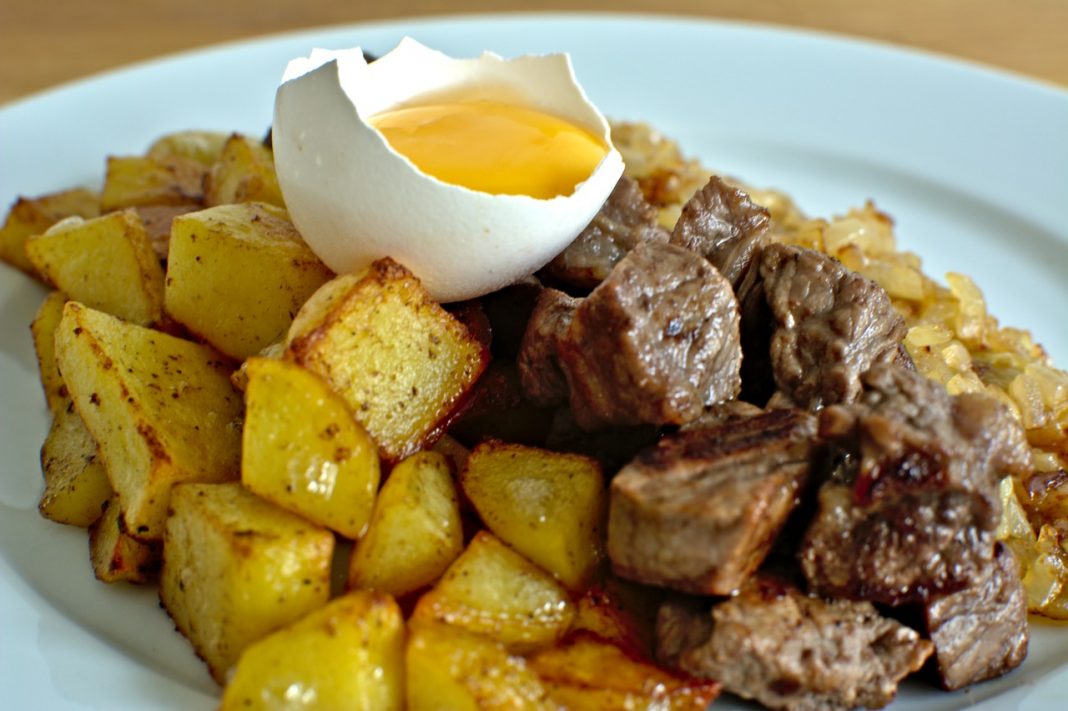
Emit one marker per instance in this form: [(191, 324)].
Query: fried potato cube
[(302, 450), (236, 568), (237, 274), (243, 173), (76, 483), (490, 589), (205, 147), (449, 668), (133, 181), (43, 332), (415, 530), (346, 655), (588, 674), (30, 217), (547, 505), (116, 555), (161, 409), (106, 263), (401, 361)]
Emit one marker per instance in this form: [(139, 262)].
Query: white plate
[(972, 163)]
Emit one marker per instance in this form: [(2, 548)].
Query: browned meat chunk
[(624, 221), (543, 381), (980, 633), (831, 325), (682, 623), (655, 343), (788, 650), (911, 511), (700, 511), (722, 225), (722, 413)]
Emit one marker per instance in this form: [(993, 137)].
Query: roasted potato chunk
[(415, 530), (449, 668), (133, 181), (243, 173), (490, 589), (237, 274), (43, 331), (401, 361), (116, 555), (205, 147), (549, 506), (346, 655), (236, 568), (30, 217), (161, 408), (589, 674), (106, 263), (302, 450), (76, 485)]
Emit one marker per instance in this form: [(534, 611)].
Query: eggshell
[(355, 199)]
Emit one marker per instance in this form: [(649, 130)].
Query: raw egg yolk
[(493, 147)]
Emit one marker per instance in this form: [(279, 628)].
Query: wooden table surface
[(46, 42)]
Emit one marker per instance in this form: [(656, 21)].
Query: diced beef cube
[(981, 632), (788, 650), (831, 325), (912, 510), (624, 221), (682, 623), (542, 379), (722, 413), (655, 343), (700, 511), (725, 227)]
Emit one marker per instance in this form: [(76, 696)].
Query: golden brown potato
[(237, 274), (106, 263), (205, 147), (43, 331), (134, 181), (76, 484), (620, 612), (492, 590), (30, 217), (236, 568), (302, 450), (449, 668), (117, 556), (346, 655), (401, 361), (549, 506), (161, 409), (415, 531), (243, 173), (588, 674)]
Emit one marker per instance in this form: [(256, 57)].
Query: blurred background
[(47, 42)]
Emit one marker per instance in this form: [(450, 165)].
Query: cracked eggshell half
[(355, 199)]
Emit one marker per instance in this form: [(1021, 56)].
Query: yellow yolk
[(494, 148)]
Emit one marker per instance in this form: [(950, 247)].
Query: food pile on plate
[(712, 444)]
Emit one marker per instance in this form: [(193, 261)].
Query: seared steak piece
[(722, 413), (831, 325), (655, 343), (912, 510), (722, 225), (788, 650), (625, 220), (542, 379), (700, 511), (981, 632)]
